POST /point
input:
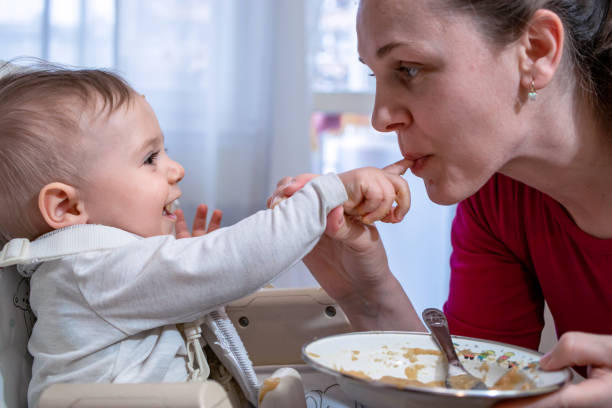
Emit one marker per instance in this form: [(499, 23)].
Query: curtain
[(227, 80)]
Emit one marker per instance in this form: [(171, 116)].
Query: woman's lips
[(419, 163)]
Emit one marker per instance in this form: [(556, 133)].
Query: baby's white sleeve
[(162, 280)]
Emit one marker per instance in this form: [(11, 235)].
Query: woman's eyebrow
[(386, 49)]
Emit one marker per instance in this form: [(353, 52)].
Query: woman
[(503, 106)]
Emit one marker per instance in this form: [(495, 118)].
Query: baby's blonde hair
[(42, 107)]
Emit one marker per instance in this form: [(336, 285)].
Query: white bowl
[(360, 360)]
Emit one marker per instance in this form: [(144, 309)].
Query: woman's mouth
[(419, 164)]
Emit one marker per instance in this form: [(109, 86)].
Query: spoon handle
[(438, 326), (456, 375)]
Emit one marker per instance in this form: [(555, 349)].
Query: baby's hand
[(199, 222), (373, 191), (287, 186)]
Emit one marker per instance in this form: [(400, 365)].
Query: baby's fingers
[(394, 189), (297, 183), (180, 227), (287, 186), (283, 182), (377, 204), (402, 198), (399, 167), (199, 221), (277, 196), (215, 221)]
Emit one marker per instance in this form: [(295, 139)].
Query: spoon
[(456, 376)]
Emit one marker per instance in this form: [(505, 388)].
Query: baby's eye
[(152, 158)]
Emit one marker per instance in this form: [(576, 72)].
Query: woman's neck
[(571, 161)]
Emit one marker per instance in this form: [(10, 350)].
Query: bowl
[(406, 369)]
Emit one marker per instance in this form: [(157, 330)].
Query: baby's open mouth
[(169, 208)]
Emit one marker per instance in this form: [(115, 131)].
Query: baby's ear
[(60, 205)]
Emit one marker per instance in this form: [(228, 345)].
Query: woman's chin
[(443, 194)]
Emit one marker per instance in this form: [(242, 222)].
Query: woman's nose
[(176, 172), (389, 115)]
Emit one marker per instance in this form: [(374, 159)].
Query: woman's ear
[(541, 49), (60, 205)]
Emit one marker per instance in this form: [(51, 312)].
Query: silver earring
[(533, 94)]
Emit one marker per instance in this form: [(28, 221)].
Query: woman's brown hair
[(588, 31)]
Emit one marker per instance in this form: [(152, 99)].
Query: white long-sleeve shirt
[(107, 312)]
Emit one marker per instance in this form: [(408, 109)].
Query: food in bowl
[(403, 368)]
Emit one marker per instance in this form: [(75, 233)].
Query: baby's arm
[(164, 280), (371, 193)]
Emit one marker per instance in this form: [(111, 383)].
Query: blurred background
[(246, 92)]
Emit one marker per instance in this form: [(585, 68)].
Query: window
[(20, 28), (222, 117), (342, 138)]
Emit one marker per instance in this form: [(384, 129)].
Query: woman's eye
[(152, 158), (409, 71)]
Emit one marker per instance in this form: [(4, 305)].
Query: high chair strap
[(14, 251), (66, 241), (197, 366), (223, 339)]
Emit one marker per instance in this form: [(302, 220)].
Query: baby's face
[(132, 182)]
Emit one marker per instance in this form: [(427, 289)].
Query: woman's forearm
[(386, 307)]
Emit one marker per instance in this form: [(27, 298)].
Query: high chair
[(273, 324)]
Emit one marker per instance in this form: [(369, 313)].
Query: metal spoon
[(457, 376)]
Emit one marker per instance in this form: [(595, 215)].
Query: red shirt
[(513, 247)]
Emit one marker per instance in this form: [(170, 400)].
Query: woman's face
[(450, 95)]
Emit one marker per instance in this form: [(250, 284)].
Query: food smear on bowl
[(412, 353), (388, 379), (463, 381), (512, 379), (356, 373), (404, 382), (413, 372)]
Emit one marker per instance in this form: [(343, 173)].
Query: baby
[(87, 194)]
